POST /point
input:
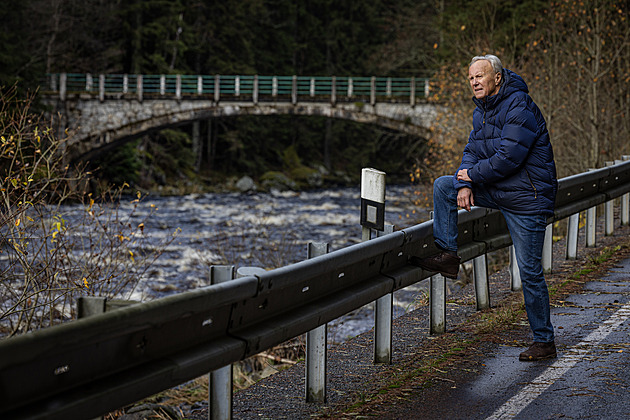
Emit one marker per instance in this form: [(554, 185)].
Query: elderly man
[(507, 165)]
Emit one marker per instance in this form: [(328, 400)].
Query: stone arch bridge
[(103, 111)]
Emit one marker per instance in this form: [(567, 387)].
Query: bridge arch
[(101, 119)]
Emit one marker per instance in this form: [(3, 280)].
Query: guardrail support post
[(412, 93), (383, 320), (162, 85), (572, 236), (609, 215), (125, 83), (547, 255), (625, 212), (333, 90), (480, 274), (199, 85), (294, 90), (178, 86), (316, 341), (437, 302), (515, 274), (220, 380), (89, 82)]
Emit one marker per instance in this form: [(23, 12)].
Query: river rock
[(245, 184)]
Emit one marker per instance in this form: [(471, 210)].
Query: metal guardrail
[(88, 367), (239, 87)]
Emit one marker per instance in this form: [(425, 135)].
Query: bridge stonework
[(94, 123)]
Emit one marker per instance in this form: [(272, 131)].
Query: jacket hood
[(512, 82)]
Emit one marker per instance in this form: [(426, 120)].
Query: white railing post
[(220, 380), (482, 288), (412, 92), (199, 85), (609, 215), (237, 86), (139, 90), (255, 91), (162, 85), (63, 80), (89, 82), (274, 86), (125, 83), (373, 91), (316, 341), (625, 212), (333, 90), (312, 89), (178, 86), (383, 320), (294, 93), (217, 88), (427, 91), (437, 308), (572, 236), (350, 87), (515, 274), (101, 87), (547, 255)]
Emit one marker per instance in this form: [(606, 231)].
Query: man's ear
[(498, 78)]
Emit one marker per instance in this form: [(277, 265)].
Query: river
[(265, 230)]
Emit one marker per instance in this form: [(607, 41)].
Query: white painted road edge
[(528, 394)]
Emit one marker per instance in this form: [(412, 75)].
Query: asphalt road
[(590, 379)]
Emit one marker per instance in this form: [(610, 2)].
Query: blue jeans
[(528, 235)]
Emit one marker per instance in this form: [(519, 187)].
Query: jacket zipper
[(532, 184)]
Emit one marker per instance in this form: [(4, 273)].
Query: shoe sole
[(526, 359), (416, 263)]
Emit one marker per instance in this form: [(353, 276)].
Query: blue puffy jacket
[(509, 150)]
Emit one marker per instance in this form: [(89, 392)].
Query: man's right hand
[(465, 198)]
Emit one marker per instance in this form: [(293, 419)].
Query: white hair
[(492, 59)]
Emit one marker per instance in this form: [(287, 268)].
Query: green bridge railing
[(244, 87)]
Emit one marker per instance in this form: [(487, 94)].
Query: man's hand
[(465, 198), (462, 175)]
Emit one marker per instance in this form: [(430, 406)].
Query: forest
[(574, 55)]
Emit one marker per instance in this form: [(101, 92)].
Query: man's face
[(483, 80)]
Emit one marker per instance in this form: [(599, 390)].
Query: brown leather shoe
[(538, 351), (444, 263)]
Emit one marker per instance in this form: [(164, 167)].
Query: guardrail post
[(591, 224), (237, 86), (625, 212), (101, 87), (89, 82), (388, 87), (572, 236), (427, 91), (139, 87), (437, 299), (125, 83), (316, 341), (63, 78), (217, 88), (547, 255), (294, 90), (412, 93), (383, 320), (609, 216), (274, 86), (480, 275), (220, 380), (349, 87), (515, 274), (199, 85), (312, 87), (162, 85)]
